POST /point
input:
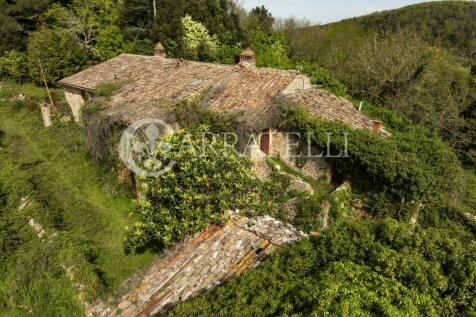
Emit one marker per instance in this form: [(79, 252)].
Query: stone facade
[(200, 263), (289, 148), (75, 98)]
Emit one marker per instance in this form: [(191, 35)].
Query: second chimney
[(248, 58), (376, 126), (159, 50)]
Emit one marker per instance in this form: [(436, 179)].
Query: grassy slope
[(87, 201)]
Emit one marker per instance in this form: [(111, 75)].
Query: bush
[(380, 268), (228, 54), (13, 65), (59, 54), (271, 50), (206, 179), (320, 76)]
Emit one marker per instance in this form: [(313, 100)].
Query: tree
[(220, 17), (260, 19), (17, 18), (196, 43), (110, 42), (13, 65), (84, 19), (271, 50), (57, 51)]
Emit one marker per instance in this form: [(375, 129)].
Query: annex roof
[(323, 104)]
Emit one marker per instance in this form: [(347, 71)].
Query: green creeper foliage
[(206, 179), (402, 171)]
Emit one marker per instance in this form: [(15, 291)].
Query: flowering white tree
[(196, 42)]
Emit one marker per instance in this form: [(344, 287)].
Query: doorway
[(265, 141)]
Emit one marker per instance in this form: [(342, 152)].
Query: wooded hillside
[(418, 60)]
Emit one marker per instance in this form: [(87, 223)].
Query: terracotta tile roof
[(151, 80), (250, 89), (167, 79), (325, 105), (151, 85), (200, 263), (149, 73)]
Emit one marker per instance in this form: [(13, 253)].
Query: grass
[(84, 202), (107, 90)]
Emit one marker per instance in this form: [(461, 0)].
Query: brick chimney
[(159, 50), (247, 58), (376, 126)]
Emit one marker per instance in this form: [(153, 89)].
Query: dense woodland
[(413, 68)]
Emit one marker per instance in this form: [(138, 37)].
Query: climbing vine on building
[(408, 170), (206, 179)]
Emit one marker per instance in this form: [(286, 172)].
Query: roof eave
[(65, 84)]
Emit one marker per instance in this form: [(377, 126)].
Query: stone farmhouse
[(151, 85)]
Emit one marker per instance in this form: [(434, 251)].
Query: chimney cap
[(247, 58), (376, 126), (247, 52), (159, 50)]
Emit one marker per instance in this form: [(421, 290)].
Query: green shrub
[(110, 42), (228, 54), (271, 50), (341, 203), (13, 65), (321, 76)]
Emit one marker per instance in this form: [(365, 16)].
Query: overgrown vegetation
[(402, 61), (70, 196), (400, 173), (409, 66), (204, 178), (376, 268)]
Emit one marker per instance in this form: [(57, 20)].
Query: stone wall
[(290, 149), (75, 99)]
